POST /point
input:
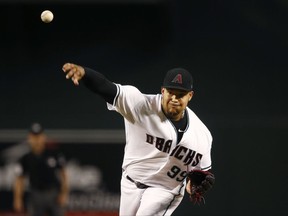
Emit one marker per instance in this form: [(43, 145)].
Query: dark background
[(236, 51)]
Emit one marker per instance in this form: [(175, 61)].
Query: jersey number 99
[(177, 173)]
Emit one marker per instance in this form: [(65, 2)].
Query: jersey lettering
[(160, 143), (180, 153), (197, 159), (188, 156)]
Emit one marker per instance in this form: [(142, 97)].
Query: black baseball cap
[(178, 78), (36, 128)]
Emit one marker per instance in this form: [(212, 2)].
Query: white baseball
[(47, 16)]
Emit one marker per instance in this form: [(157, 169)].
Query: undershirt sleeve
[(99, 84)]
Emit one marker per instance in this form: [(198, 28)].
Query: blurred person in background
[(45, 171)]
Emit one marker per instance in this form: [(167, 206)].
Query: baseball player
[(164, 139)]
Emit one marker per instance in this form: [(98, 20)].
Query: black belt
[(138, 184)]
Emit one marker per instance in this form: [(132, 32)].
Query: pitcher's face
[(174, 102)]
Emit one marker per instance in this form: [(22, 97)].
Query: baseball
[(47, 16)]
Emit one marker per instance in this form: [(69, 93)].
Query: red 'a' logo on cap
[(177, 79)]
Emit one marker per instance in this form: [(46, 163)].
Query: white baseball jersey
[(152, 155)]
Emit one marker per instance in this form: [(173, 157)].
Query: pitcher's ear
[(191, 95)]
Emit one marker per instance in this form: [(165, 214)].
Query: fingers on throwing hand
[(72, 72), (67, 67)]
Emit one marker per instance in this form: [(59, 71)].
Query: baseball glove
[(200, 183)]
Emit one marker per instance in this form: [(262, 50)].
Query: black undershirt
[(100, 85), (180, 126)]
